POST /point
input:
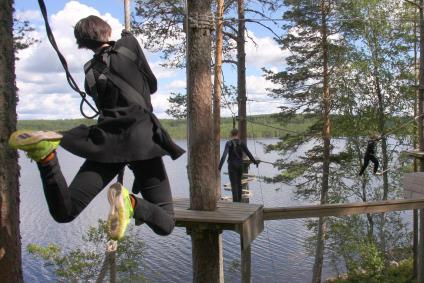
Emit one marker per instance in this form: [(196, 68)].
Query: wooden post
[(242, 123), (217, 113), (127, 9), (420, 275), (417, 95), (201, 174), (241, 72)]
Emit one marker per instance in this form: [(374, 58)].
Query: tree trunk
[(127, 13), (200, 137), (10, 240), (201, 171), (319, 253), (218, 91), (241, 72)]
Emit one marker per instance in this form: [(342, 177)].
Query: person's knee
[(167, 231), (63, 218)]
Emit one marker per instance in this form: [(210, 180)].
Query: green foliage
[(401, 273), (268, 126), (85, 264), (178, 106), (21, 39)]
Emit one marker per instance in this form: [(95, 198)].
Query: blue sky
[(45, 94)]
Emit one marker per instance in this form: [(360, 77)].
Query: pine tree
[(10, 240), (309, 84)]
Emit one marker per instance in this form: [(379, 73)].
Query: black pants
[(236, 172), (66, 203), (367, 159)]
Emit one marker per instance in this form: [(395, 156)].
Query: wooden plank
[(226, 212), (251, 228), (415, 153), (341, 209), (246, 219)]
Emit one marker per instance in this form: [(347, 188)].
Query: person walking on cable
[(235, 148), (370, 155), (120, 81)]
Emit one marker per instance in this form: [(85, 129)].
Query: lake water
[(278, 254)]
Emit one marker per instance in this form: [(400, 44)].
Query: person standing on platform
[(235, 148)]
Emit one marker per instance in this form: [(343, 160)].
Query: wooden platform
[(246, 219)]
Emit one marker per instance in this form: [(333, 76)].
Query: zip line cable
[(403, 125), (262, 197), (62, 59)]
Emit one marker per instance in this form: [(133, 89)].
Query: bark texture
[(10, 240)]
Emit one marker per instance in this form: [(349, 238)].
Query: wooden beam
[(341, 209), (415, 153)]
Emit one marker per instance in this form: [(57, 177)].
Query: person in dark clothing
[(126, 133), (235, 149), (370, 155)]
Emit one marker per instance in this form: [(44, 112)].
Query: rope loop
[(201, 21)]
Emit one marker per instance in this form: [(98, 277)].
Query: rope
[(262, 197), (269, 126), (62, 59), (402, 125)]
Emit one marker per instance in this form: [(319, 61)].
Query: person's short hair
[(92, 32), (234, 132)]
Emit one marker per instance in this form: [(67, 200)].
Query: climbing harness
[(62, 59)]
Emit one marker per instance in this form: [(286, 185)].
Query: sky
[(45, 94)]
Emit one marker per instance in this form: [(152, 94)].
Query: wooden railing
[(341, 209)]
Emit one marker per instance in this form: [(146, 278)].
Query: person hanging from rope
[(370, 154), (120, 81), (235, 148)]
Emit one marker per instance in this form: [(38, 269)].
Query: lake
[(278, 254)]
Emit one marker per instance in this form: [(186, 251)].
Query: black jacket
[(235, 148), (125, 131)]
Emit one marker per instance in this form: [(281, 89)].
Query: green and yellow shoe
[(121, 211), (37, 144)]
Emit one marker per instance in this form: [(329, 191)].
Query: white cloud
[(176, 85), (265, 53)]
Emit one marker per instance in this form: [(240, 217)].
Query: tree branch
[(229, 61), (413, 3)]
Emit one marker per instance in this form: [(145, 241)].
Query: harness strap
[(127, 90), (91, 80)]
